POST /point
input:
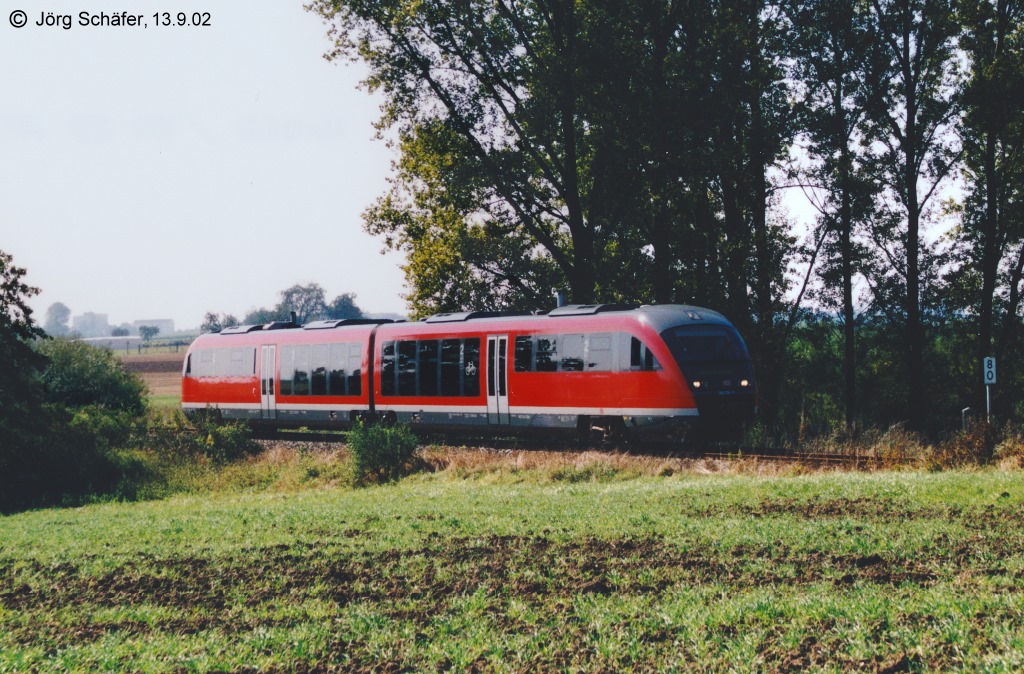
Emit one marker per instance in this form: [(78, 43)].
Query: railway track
[(300, 436), (719, 452)]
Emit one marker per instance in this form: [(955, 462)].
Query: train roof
[(660, 317)]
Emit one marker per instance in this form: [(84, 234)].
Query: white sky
[(166, 172)]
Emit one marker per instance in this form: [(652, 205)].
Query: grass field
[(528, 571)]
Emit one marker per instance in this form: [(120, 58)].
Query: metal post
[(963, 417), (988, 404)]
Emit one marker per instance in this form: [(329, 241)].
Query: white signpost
[(989, 377)]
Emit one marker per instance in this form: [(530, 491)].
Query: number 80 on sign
[(989, 372)]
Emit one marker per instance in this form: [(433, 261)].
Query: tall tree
[(751, 131), (214, 322), (502, 77), (57, 316), (18, 388), (832, 47), (993, 141), (910, 111), (307, 301), (343, 306)]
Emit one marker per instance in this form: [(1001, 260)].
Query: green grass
[(902, 571), (169, 401)]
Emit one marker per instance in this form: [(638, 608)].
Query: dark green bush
[(76, 375), (68, 457), (77, 406), (380, 453)]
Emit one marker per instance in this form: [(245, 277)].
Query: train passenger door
[(497, 380), (268, 399)]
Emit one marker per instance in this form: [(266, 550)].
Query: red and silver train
[(652, 369)]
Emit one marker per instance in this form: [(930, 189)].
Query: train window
[(355, 369), (524, 353), (490, 368), (692, 343), (188, 365), (471, 369), (429, 367), (240, 362), (319, 360), (640, 357), (287, 370), (339, 364), (572, 353), (429, 371), (502, 367), (387, 369), (547, 353), (407, 368), (301, 382), (451, 367), (204, 368), (346, 361), (599, 352)]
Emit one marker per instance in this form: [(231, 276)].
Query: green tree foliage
[(308, 302), (214, 322), (910, 110), (77, 375), (343, 306), (262, 315), (992, 221), (20, 395), (148, 332), (832, 46), (63, 407), (497, 99)]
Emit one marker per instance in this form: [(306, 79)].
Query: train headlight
[(744, 383), (696, 384)]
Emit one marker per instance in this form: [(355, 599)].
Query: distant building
[(166, 325), (91, 325)]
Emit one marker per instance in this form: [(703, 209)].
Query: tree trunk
[(846, 251)]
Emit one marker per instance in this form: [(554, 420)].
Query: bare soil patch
[(154, 362)]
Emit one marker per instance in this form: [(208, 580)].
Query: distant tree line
[(639, 150), (308, 302)]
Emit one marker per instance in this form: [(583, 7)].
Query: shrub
[(1009, 452), (966, 448), (58, 443), (380, 453), (69, 458), (202, 434), (77, 374)]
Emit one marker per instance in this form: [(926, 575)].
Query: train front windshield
[(704, 344)]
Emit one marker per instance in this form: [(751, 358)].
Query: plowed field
[(160, 371), (884, 572)]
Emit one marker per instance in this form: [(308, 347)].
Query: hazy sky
[(163, 172)]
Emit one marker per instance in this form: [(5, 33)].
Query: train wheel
[(614, 432), (584, 431)]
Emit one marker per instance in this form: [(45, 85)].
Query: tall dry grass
[(590, 465)]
